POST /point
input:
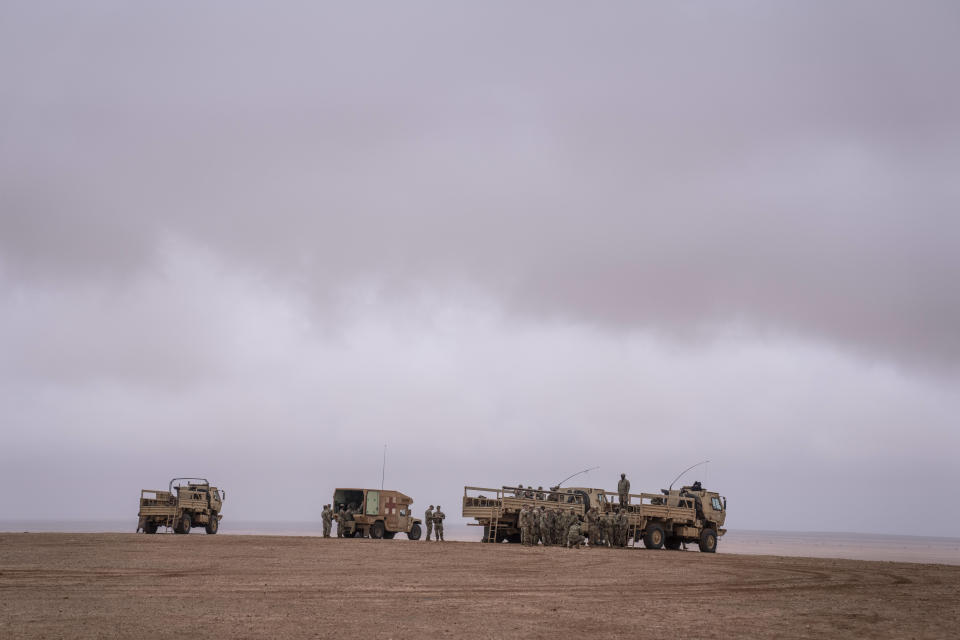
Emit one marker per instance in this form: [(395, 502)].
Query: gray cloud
[(199, 204)]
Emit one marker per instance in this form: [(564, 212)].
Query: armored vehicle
[(376, 513), (192, 502), (669, 519)]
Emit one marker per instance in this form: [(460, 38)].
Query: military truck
[(498, 510), (376, 513), (192, 502), (669, 519)]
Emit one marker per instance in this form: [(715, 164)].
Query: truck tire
[(185, 523), (653, 537), (414, 533), (673, 542), (150, 527), (486, 533), (708, 541), (376, 530), (213, 524), (388, 535), (514, 538)]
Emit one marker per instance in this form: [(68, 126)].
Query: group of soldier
[(554, 525), (433, 520), (343, 514)]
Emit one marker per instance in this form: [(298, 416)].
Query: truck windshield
[(715, 501)]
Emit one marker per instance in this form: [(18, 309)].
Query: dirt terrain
[(124, 585)]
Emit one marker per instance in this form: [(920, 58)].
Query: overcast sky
[(258, 241)]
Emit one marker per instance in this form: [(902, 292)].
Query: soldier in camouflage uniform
[(341, 521), (606, 525), (622, 526), (574, 538), (535, 523), (546, 534), (428, 521), (438, 517), (549, 526), (623, 489), (526, 532), (593, 530), (327, 516)]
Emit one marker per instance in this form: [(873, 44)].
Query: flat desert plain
[(61, 585)]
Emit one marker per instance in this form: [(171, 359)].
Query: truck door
[(373, 503)]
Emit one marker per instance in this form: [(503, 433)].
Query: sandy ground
[(56, 585)]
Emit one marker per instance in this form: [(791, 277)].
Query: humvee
[(669, 519), (378, 513), (181, 507)]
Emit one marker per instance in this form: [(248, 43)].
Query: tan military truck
[(672, 518), (498, 510), (669, 519), (181, 507), (377, 513)]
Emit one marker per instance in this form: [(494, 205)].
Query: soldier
[(540, 494), (606, 521), (549, 527), (528, 494), (535, 523), (522, 524), (438, 517), (341, 521), (528, 525), (428, 521), (554, 496), (574, 539), (622, 522), (327, 516), (623, 489), (593, 530)]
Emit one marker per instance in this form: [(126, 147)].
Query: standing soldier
[(606, 521), (537, 532), (327, 516), (592, 529), (549, 526), (522, 523), (341, 521), (622, 522), (528, 525), (438, 517), (428, 520), (623, 488)]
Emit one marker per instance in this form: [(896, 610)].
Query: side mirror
[(724, 503)]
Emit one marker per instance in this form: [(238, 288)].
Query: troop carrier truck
[(669, 519), (190, 503)]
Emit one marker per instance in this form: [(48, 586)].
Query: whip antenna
[(684, 471), (383, 469), (576, 474)]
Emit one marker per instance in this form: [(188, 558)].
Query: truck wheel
[(150, 527), (388, 535), (708, 541), (653, 538), (414, 533), (514, 538), (213, 524), (673, 542), (486, 534), (185, 523), (376, 530)]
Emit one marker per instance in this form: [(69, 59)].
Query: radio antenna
[(684, 471), (576, 474), (383, 469)]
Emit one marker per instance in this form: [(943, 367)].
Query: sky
[(262, 242)]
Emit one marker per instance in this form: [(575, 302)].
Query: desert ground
[(61, 585)]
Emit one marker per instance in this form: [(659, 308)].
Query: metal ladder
[(494, 525)]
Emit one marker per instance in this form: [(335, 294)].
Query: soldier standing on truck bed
[(438, 517), (623, 489), (428, 520), (327, 516)]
